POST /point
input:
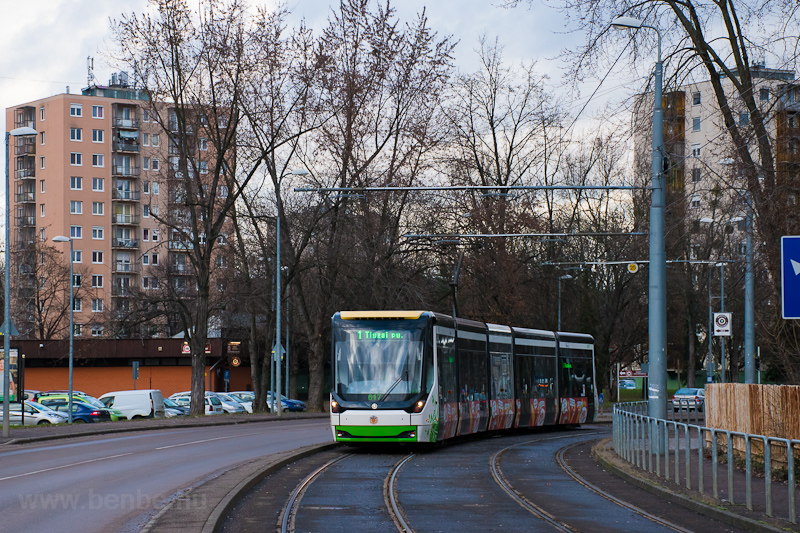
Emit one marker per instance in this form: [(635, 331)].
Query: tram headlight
[(418, 406), (334, 406)]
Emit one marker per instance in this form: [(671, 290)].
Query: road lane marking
[(206, 440), (65, 466)]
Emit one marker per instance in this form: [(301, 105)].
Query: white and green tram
[(420, 376)]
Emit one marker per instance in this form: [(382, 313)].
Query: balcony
[(123, 195), (26, 122), (126, 171), (181, 270), (179, 245), (25, 173), (121, 292), (27, 148), (125, 123), (25, 197), (26, 221), (128, 244), (123, 146), (121, 267), (124, 219)]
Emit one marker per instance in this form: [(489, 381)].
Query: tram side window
[(501, 376), (545, 376), (448, 386), (472, 374), (526, 380), (576, 377)]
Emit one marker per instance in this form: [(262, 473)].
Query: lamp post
[(722, 358), (61, 238), (565, 277), (657, 294), (17, 132), (278, 347)]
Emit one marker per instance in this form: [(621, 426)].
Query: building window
[(97, 257), (145, 282), (222, 191), (222, 239), (97, 233), (145, 139), (75, 110), (41, 114), (220, 261), (41, 235), (696, 176), (155, 234), (763, 94), (76, 232), (97, 330), (97, 208), (97, 136), (75, 134), (77, 304), (695, 150), (696, 98), (154, 187), (695, 202), (77, 256), (41, 185), (203, 144), (98, 184), (98, 160), (154, 257), (155, 164), (744, 118), (97, 111), (41, 138), (154, 139), (75, 159), (146, 187), (41, 211), (154, 210), (146, 115), (76, 183), (222, 122), (145, 163), (203, 167), (145, 234), (77, 329), (76, 207), (77, 279), (145, 259), (41, 162), (146, 211), (97, 281), (696, 124)]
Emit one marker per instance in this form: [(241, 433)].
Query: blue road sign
[(790, 276)]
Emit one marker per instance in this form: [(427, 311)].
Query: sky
[(47, 41)]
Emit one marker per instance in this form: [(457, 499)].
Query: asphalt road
[(118, 482)]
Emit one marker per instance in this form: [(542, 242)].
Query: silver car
[(689, 399), (229, 405), (35, 414)]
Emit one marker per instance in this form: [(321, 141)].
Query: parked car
[(627, 383), (689, 399), (79, 397), (213, 404), (81, 412), (286, 403), (145, 403), (230, 398), (229, 405), (172, 409), (35, 414)]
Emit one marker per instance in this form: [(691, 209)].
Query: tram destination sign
[(378, 335)]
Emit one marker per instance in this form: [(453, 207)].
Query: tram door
[(448, 382), (501, 402), (473, 379)]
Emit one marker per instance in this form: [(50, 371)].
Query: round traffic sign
[(721, 320), (633, 268)]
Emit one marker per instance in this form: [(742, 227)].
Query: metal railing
[(656, 445)]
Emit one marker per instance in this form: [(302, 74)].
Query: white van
[(146, 403)]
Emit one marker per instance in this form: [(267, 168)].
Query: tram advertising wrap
[(419, 376)]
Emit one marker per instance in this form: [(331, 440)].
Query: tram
[(420, 376)]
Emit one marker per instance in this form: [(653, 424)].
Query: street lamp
[(722, 357), (565, 277), (278, 347), (657, 295), (61, 238), (17, 132)]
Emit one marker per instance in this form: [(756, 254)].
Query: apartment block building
[(95, 172)]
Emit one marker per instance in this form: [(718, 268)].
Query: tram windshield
[(377, 364)]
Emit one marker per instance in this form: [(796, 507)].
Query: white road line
[(204, 440), (65, 466)]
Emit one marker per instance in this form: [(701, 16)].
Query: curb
[(600, 452), (214, 520), (130, 428)]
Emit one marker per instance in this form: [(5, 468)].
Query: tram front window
[(377, 365)]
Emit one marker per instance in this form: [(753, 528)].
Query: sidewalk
[(721, 509), (22, 435)]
